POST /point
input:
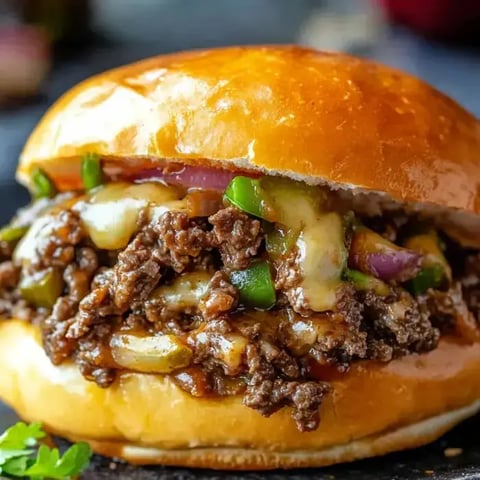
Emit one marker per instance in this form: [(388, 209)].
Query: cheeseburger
[(246, 258)]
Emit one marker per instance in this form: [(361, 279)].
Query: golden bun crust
[(234, 458), (295, 111), (374, 409)]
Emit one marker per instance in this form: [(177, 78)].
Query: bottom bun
[(255, 459), (145, 419)]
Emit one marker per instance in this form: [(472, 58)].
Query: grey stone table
[(126, 32)]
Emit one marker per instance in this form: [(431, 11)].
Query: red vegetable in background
[(24, 61), (439, 18)]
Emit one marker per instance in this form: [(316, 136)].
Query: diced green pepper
[(429, 277), (275, 199), (92, 175), (248, 195), (42, 289), (361, 281), (255, 285), (42, 184), (12, 234), (435, 269)]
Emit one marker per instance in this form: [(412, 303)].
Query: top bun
[(316, 116)]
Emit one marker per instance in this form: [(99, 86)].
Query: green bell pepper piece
[(42, 184), (255, 285), (248, 195), (435, 269), (429, 277), (275, 199), (361, 281), (42, 289), (92, 175)]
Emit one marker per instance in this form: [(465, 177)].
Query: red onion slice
[(190, 176), (401, 265), (372, 254)]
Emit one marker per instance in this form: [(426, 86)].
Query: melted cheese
[(111, 214), (40, 229), (185, 291), (321, 249), (322, 257)]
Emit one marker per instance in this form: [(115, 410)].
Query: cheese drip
[(322, 258), (321, 248), (111, 215)]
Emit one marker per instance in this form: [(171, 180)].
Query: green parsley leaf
[(6, 455), (16, 466), (17, 450), (21, 436), (49, 463)]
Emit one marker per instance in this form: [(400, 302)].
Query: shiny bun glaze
[(374, 409), (321, 117)]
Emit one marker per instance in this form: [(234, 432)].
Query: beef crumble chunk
[(58, 248), (6, 251), (268, 392), (173, 243), (222, 297), (287, 280), (11, 302), (92, 354), (396, 325), (54, 250), (9, 275), (443, 307), (58, 344), (470, 281), (449, 311), (237, 236)]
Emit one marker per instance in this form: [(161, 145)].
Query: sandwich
[(246, 258)]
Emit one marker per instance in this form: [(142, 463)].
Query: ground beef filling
[(274, 359)]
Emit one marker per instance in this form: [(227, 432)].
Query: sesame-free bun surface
[(292, 110), (374, 409)]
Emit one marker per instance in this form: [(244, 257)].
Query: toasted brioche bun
[(374, 409), (317, 116), (322, 118)]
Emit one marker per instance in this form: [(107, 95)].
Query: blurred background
[(46, 46)]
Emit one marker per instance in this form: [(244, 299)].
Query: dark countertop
[(170, 25)]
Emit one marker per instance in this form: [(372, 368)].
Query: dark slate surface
[(167, 25)]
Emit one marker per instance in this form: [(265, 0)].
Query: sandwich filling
[(258, 286)]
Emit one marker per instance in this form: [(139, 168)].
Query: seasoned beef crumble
[(265, 357)]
